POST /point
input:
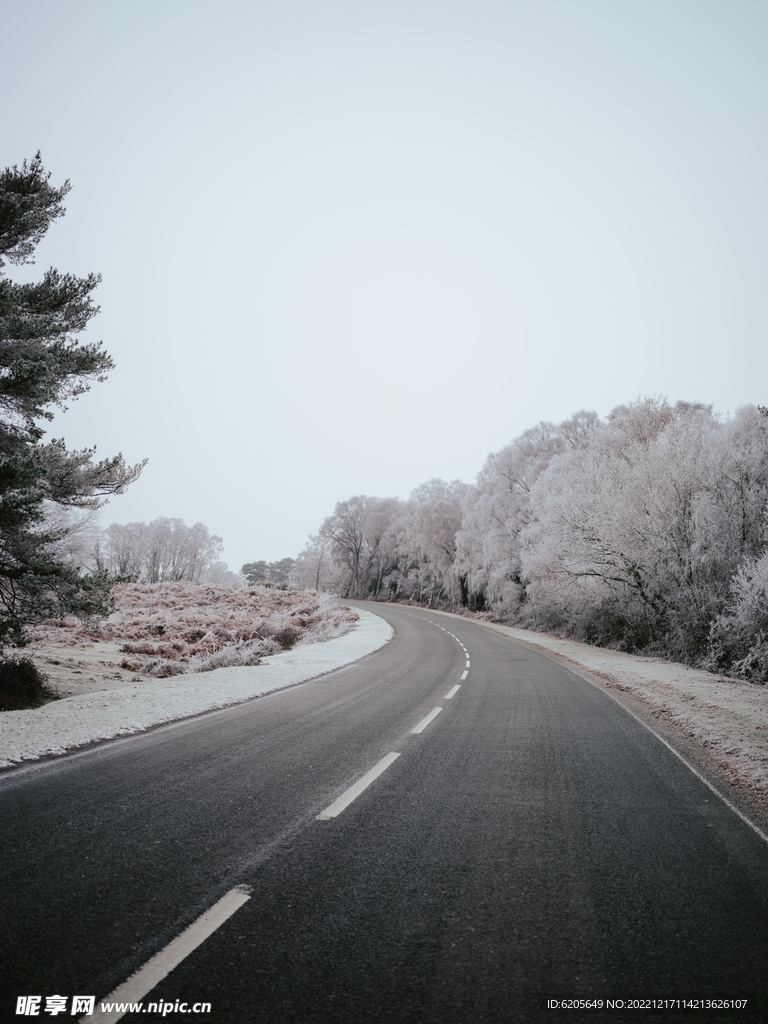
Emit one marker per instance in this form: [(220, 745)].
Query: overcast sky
[(349, 246)]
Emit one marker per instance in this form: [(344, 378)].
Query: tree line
[(162, 551), (645, 531)]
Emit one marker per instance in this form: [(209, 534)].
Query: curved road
[(531, 842)]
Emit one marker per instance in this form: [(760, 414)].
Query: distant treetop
[(269, 574)]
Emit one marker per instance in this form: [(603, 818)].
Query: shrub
[(738, 641), (248, 653), (287, 636), (161, 668), (22, 685), (754, 665)]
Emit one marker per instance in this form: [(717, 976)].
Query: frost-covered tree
[(269, 574), (313, 569), (163, 551), (387, 548), (361, 543), (635, 537), (488, 558), (43, 485), (426, 530)]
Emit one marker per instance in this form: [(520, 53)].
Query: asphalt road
[(532, 842)]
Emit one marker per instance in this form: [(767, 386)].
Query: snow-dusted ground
[(727, 719), (102, 714)]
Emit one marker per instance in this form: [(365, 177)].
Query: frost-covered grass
[(166, 629)]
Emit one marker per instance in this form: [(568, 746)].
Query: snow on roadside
[(728, 717), (103, 714)]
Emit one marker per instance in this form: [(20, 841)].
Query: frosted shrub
[(164, 629), (329, 619), (161, 668), (754, 664), (739, 638), (750, 591), (249, 653)]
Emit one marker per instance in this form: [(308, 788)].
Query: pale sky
[(350, 246)]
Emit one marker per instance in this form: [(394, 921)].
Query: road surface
[(531, 841)]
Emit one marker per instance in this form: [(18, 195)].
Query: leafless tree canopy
[(163, 551)]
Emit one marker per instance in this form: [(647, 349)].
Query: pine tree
[(42, 366)]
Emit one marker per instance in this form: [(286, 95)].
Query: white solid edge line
[(687, 764), (354, 791), (465, 673), (160, 966), (453, 692), (679, 756), (698, 775), (653, 732), (425, 721)]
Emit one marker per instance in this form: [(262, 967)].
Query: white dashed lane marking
[(425, 721), (354, 791), (160, 966)]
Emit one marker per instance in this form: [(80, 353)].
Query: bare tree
[(163, 551), (356, 533), (313, 569)]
